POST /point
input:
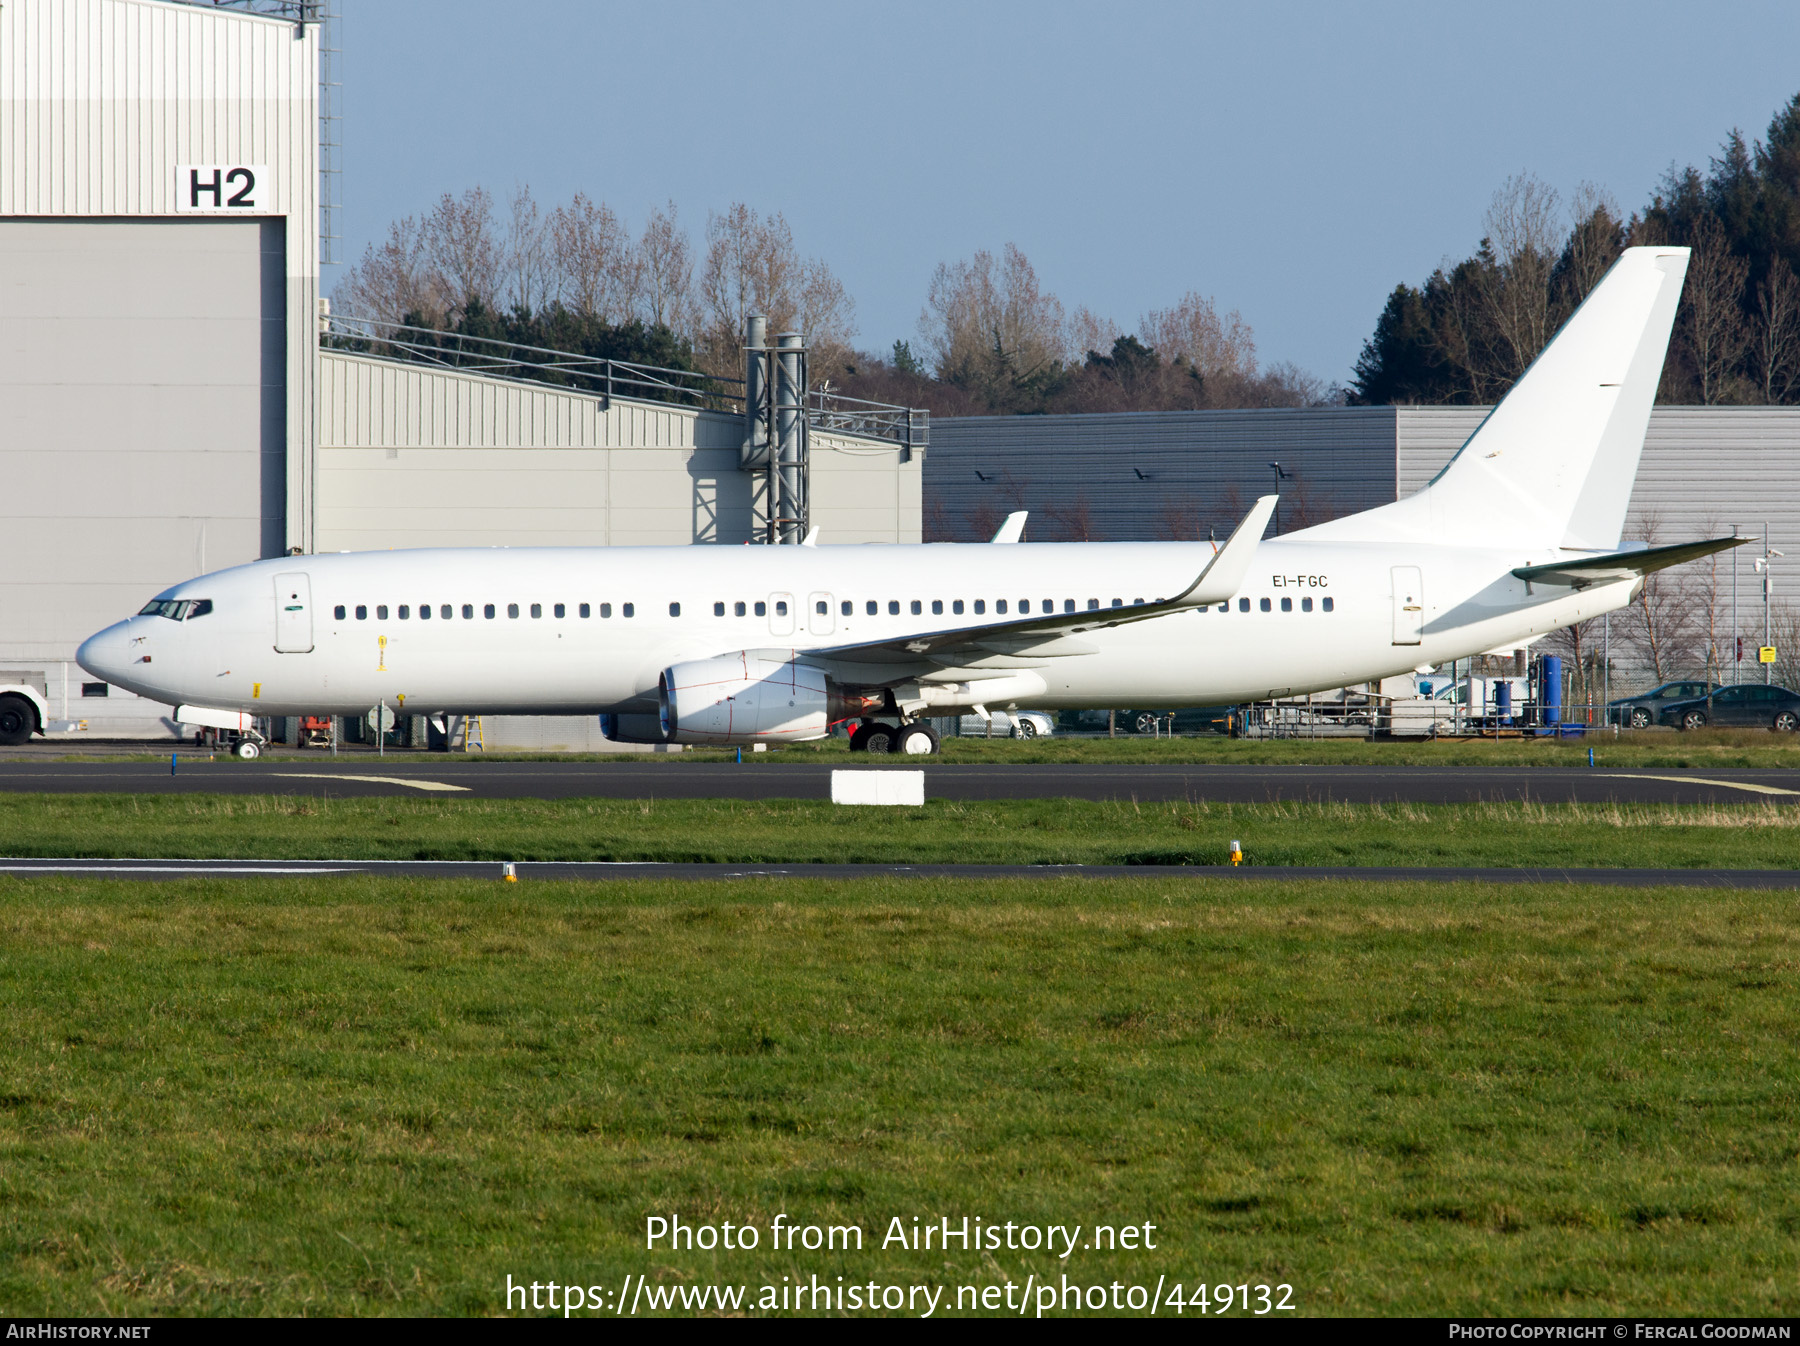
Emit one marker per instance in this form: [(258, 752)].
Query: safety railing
[(496, 357), (833, 412), (499, 358)]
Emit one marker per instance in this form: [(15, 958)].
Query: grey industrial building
[(1150, 475)]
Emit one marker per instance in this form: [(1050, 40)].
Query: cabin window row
[(449, 611), (872, 607), (1287, 605)]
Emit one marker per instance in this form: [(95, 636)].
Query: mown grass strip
[(386, 1096), (1764, 834)]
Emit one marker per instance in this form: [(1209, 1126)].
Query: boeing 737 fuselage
[(710, 644)]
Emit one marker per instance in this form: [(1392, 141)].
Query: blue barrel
[(1550, 688), (1503, 701)]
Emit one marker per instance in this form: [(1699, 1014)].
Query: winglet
[(1013, 529), (1224, 574), (812, 537)]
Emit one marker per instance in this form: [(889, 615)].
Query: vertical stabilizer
[(1553, 464)]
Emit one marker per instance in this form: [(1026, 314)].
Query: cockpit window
[(172, 608), (201, 607)]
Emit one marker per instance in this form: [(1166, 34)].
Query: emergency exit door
[(1409, 605), (293, 613)]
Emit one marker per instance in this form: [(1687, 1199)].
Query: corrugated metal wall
[(417, 457), (1149, 475), (101, 100), (1703, 469)]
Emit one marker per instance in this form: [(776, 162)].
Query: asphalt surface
[(451, 779), (529, 871)]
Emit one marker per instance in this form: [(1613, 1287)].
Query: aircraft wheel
[(248, 750), (859, 736), (1693, 719), (878, 738), (1640, 718), (917, 740), (1786, 722)]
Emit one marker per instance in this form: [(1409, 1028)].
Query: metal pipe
[(790, 430)]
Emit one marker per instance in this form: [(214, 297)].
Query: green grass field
[(1051, 831), (365, 1096)]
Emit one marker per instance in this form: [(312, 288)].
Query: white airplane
[(1517, 536)]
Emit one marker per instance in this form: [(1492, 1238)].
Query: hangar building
[(175, 399)]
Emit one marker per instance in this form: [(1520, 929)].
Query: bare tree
[(594, 261), (1595, 241), (752, 266), (394, 280), (665, 273), (1192, 330), (988, 317), (464, 250), (1777, 337), (1711, 326), (529, 267), (1523, 237), (1088, 331), (1075, 520), (1666, 627)]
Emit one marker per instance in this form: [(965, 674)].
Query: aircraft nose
[(104, 653)]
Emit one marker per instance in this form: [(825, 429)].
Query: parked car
[(1009, 724), (1743, 703), (1639, 712)]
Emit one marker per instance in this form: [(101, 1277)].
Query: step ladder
[(472, 740)]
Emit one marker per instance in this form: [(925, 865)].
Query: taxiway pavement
[(674, 779)]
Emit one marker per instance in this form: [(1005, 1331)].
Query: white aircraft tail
[(1553, 464)]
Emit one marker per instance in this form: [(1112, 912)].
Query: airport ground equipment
[(23, 711)]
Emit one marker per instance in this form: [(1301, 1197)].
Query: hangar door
[(142, 372)]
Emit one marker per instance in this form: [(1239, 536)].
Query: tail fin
[(1553, 464)]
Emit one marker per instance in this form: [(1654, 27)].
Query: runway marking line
[(1701, 780), (372, 780), (52, 868)]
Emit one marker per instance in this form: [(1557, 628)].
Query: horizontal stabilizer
[(1580, 572)]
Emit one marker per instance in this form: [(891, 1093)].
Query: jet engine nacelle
[(752, 698), (632, 728)]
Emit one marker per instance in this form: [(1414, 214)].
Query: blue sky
[(1295, 161)]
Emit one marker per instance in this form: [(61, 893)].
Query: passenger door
[(781, 614), (818, 617), (1409, 605), (293, 613)]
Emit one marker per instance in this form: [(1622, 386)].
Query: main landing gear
[(914, 738)]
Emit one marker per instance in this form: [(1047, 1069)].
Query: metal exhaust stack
[(790, 425)]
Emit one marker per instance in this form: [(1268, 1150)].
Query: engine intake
[(753, 698)]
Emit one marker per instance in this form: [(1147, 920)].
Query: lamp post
[(1279, 474), (1766, 565)]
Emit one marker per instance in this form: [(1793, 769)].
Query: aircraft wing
[(1580, 572), (1054, 635)]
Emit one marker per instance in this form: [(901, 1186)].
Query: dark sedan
[(1743, 703), (1639, 712)]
